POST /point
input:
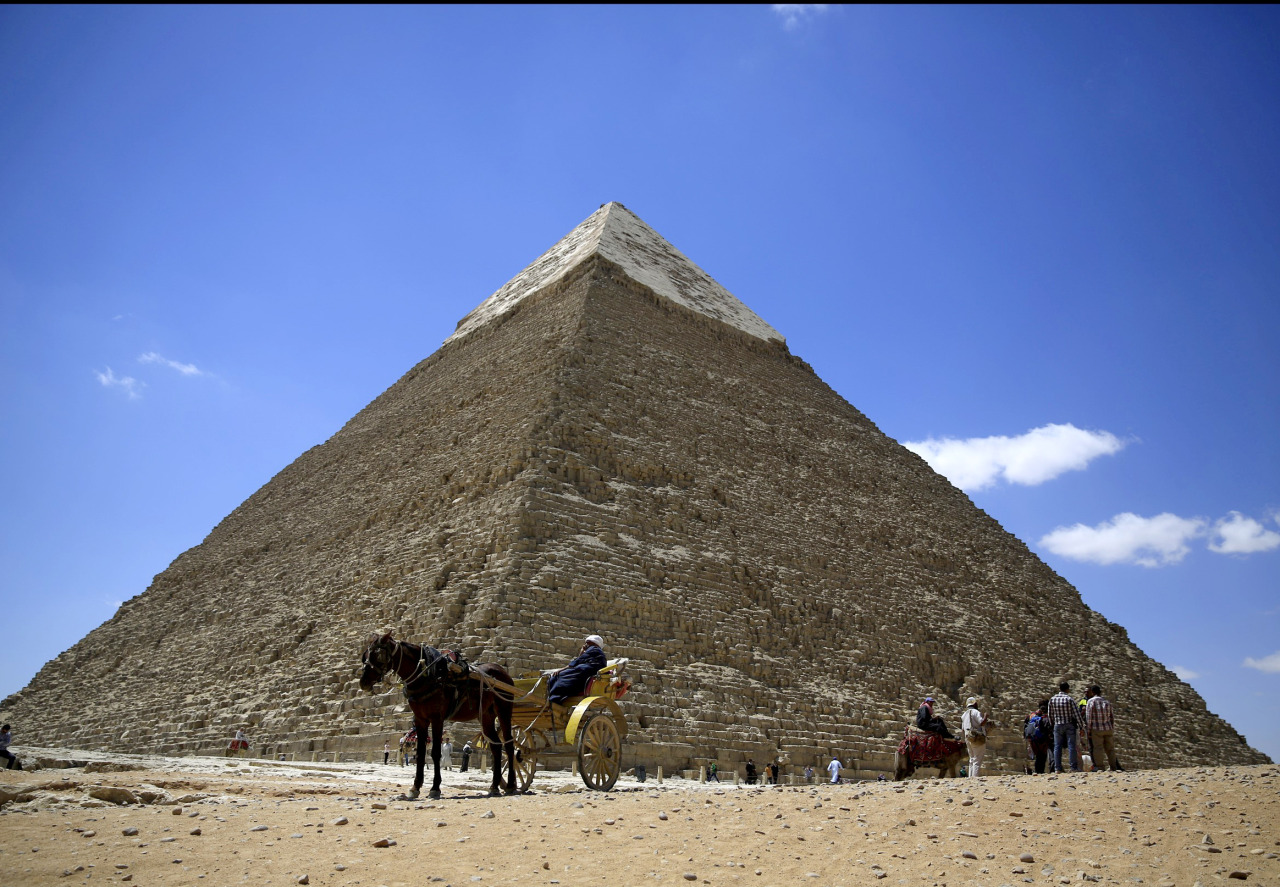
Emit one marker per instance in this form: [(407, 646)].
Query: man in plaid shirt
[(1064, 714), (1102, 726)]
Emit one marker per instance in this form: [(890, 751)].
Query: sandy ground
[(211, 821)]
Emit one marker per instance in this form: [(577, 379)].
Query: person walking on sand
[(974, 723), (386, 752), (834, 769), (11, 760), (466, 756)]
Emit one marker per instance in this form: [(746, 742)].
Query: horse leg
[(437, 728), (495, 746), (509, 746), (420, 724)]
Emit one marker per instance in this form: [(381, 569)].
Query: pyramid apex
[(622, 237)]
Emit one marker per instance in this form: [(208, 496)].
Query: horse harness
[(451, 671)]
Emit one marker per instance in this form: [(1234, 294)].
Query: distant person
[(751, 772), (1038, 733), (1102, 728), (1064, 714), (773, 773), (386, 752), (808, 773), (834, 769), (572, 679), (446, 755), (927, 721), (11, 760), (974, 724), (713, 772), (466, 756)]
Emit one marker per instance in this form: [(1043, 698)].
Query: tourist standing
[(466, 756), (1101, 724), (1038, 733), (1064, 714), (446, 754), (386, 752), (751, 772), (975, 734)]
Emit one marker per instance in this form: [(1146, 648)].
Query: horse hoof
[(495, 793), (434, 794)]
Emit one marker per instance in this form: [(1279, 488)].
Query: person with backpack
[(974, 723), (1035, 730)]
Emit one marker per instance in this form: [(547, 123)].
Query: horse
[(439, 688)]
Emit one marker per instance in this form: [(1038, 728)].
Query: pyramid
[(613, 443)]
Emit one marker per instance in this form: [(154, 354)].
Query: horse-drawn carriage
[(516, 718), (591, 726)]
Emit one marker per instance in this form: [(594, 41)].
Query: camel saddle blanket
[(927, 748)]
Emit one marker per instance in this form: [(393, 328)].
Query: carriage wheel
[(600, 753), (526, 760)]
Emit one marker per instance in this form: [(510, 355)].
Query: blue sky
[(1040, 245)]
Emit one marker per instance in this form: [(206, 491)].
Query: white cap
[(596, 639), (971, 701)]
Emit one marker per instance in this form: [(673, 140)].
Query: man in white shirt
[(834, 769), (975, 734)]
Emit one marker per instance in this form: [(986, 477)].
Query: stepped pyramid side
[(401, 519), (598, 456)]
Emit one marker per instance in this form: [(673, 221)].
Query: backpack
[(1036, 730)]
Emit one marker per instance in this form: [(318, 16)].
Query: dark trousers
[(1064, 738), (10, 758), (1042, 756)]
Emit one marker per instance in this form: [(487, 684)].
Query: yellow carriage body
[(593, 722)]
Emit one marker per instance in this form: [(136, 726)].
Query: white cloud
[(187, 369), (1269, 664), (1237, 534), (1127, 539), (795, 14), (1184, 673), (128, 384), (1029, 459)]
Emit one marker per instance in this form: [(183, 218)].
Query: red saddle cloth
[(927, 748)]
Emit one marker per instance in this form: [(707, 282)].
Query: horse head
[(378, 656)]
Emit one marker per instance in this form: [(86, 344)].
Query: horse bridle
[(419, 671)]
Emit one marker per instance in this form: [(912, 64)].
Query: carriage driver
[(572, 679)]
